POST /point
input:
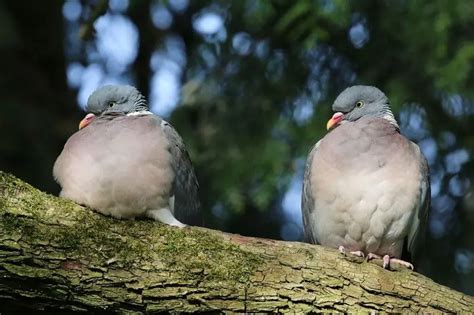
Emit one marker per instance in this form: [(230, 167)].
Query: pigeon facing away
[(366, 187), (126, 162)]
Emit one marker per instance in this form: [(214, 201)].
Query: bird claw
[(342, 250), (386, 258), (387, 261), (371, 256), (397, 261), (357, 253)]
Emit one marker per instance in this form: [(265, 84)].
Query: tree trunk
[(56, 256)]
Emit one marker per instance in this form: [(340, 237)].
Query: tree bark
[(57, 256)]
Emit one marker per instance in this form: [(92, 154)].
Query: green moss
[(103, 239), (10, 223), (30, 213), (86, 235), (309, 255), (196, 250)]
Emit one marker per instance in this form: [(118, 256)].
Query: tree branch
[(56, 255)]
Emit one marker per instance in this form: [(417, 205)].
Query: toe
[(386, 262), (371, 256), (342, 250), (358, 253), (402, 262)]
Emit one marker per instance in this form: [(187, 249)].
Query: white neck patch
[(140, 113), (389, 116)]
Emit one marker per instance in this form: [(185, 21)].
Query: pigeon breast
[(119, 165)]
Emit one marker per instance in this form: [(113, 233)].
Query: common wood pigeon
[(366, 187), (127, 162)]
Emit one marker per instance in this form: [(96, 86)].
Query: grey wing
[(187, 207), (417, 232), (307, 199)]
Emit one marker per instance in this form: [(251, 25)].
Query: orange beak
[(335, 120), (86, 121)]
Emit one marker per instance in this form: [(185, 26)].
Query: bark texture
[(57, 256)]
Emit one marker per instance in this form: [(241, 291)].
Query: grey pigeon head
[(116, 98), (362, 100)]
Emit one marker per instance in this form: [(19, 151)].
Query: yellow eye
[(359, 104)]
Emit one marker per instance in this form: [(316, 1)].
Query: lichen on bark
[(57, 255)]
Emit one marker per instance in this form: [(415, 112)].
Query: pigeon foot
[(387, 261), (164, 215), (357, 253), (371, 256)]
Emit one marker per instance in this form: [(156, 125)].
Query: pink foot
[(357, 253), (371, 256), (387, 261)]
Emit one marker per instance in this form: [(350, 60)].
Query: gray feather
[(416, 237), (307, 197), (185, 185)]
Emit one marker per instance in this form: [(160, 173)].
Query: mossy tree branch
[(56, 255)]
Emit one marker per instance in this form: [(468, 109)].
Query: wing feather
[(307, 200), (416, 236), (187, 207)]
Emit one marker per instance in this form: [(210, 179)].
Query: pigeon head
[(113, 99), (359, 101), (116, 98)]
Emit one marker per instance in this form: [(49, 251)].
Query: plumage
[(366, 186), (127, 162)]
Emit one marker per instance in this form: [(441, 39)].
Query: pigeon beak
[(86, 121), (335, 120)]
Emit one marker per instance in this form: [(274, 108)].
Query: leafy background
[(249, 85)]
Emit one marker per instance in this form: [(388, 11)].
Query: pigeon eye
[(359, 104), (111, 104)]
